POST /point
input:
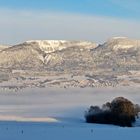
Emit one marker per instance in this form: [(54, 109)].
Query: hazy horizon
[(68, 20)]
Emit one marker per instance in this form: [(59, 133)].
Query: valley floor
[(55, 131), (55, 113)]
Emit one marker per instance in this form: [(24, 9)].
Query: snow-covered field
[(52, 114)]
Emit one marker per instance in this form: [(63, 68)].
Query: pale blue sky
[(95, 20), (114, 8)]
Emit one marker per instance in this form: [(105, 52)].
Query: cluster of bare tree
[(120, 112)]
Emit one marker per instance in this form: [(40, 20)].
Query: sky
[(93, 20)]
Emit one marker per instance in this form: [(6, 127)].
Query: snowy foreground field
[(53, 114)]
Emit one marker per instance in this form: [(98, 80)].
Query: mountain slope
[(122, 54), (37, 54), (119, 54), (122, 43), (2, 47), (70, 63)]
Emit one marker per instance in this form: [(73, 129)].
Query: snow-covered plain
[(52, 114)]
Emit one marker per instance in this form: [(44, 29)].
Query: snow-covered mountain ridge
[(63, 55), (49, 46), (118, 43)]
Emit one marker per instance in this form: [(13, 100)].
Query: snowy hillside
[(62, 55), (3, 47), (49, 46), (119, 43), (116, 62), (36, 54)]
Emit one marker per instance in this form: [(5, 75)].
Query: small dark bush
[(137, 109), (120, 112)]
